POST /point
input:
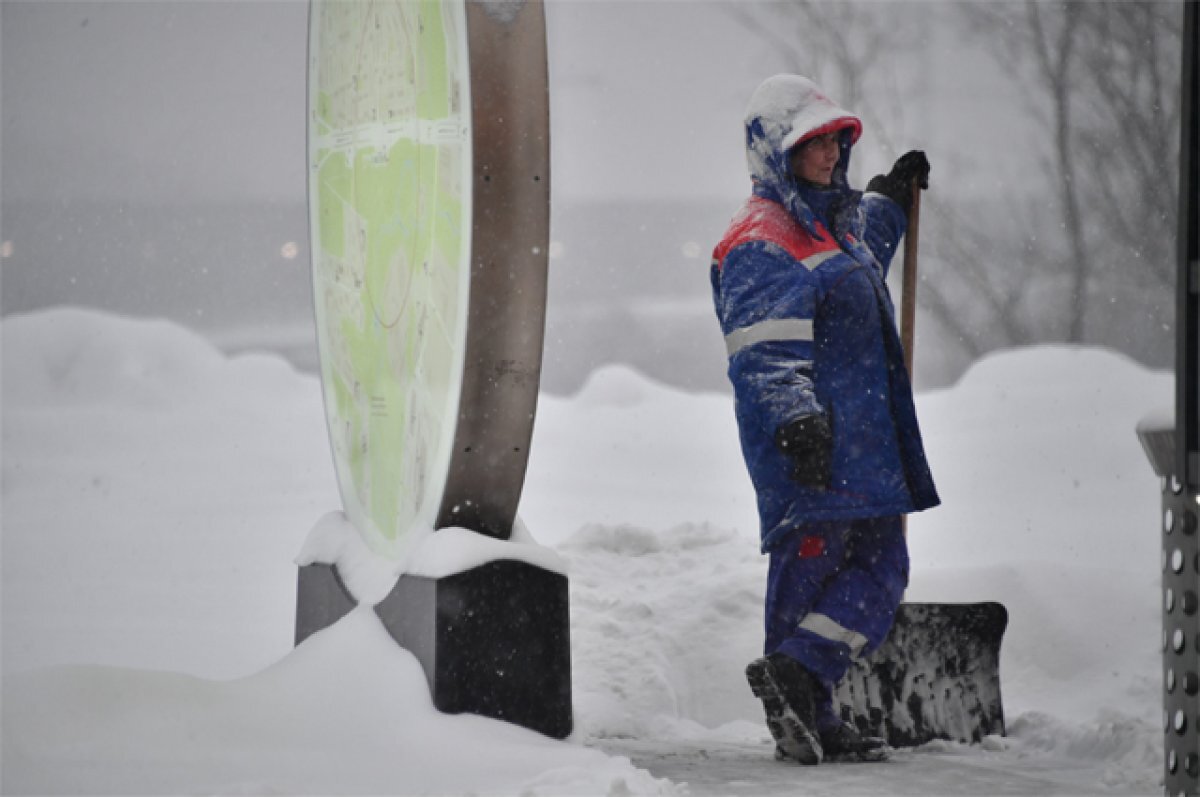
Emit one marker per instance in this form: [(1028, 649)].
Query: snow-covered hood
[(784, 111)]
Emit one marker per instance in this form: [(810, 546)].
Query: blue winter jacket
[(798, 284)]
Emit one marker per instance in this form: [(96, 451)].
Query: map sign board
[(429, 321)]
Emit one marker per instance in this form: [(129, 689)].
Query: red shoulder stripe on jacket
[(764, 220)]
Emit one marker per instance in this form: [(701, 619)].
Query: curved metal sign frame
[(429, 220)]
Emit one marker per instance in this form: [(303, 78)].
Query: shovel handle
[(908, 302), (908, 306)]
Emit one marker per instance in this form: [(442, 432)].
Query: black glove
[(808, 443), (897, 184)]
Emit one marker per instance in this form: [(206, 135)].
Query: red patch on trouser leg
[(812, 546)]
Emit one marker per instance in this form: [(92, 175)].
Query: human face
[(815, 158)]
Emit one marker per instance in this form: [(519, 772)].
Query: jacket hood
[(783, 112)]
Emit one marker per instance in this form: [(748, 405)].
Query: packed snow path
[(749, 770)]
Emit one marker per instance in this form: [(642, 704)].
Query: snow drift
[(155, 494)]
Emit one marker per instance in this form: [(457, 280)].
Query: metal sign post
[(429, 192), (1175, 454), (1181, 555)]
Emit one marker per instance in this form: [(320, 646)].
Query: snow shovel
[(937, 675)]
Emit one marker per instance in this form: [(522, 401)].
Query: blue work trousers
[(832, 592)]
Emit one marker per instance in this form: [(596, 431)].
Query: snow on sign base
[(397, 185)]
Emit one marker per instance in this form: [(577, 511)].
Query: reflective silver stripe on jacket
[(812, 261), (823, 626), (771, 329)]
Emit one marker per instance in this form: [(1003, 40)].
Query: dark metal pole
[(1187, 403), (1180, 468)]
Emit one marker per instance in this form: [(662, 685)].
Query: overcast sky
[(157, 100), (153, 100), (205, 100), (186, 119)]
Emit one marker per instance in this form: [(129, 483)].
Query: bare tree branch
[(1100, 81)]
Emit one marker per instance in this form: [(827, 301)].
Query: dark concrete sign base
[(321, 599), (493, 640)]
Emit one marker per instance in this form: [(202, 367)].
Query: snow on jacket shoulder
[(767, 308)]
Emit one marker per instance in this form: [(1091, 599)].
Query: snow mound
[(75, 356), (1056, 369), (155, 494), (1130, 750), (347, 712), (626, 540), (649, 610), (1036, 455), (619, 386)]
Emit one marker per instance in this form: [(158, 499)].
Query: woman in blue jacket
[(824, 404)]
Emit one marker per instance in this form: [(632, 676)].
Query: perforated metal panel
[(1181, 638)]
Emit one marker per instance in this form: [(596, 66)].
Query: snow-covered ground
[(156, 492)]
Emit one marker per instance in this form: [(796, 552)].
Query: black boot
[(788, 693), (845, 743)]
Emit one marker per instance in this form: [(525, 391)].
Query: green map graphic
[(389, 195)]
